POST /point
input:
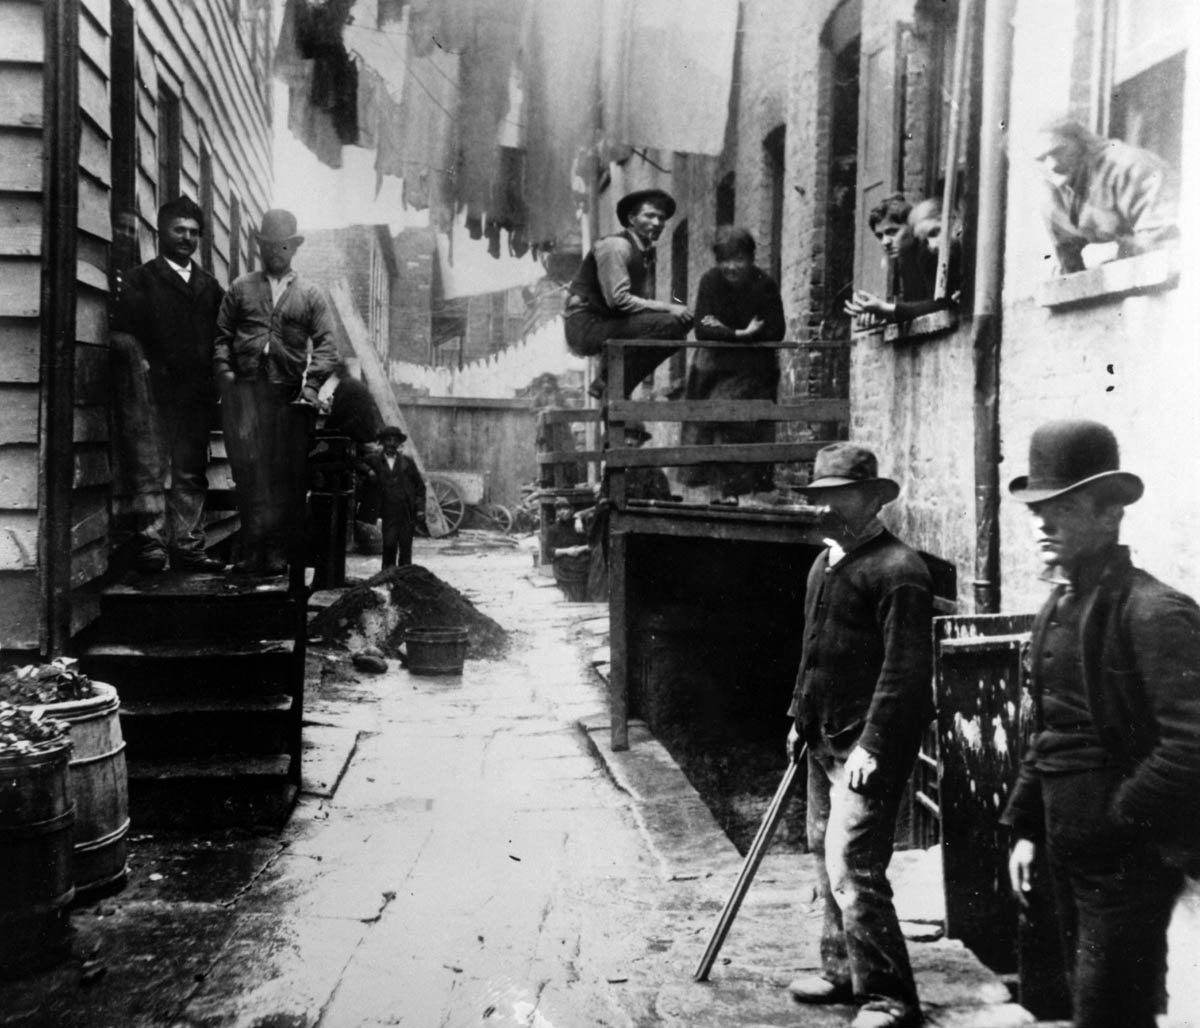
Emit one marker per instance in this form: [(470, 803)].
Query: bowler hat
[(843, 464), (389, 431), (278, 226), (1065, 455), (637, 428), (630, 203)]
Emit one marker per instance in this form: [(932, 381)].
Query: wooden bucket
[(99, 787), (36, 815), (435, 651)]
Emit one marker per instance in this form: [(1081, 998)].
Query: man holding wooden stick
[(863, 698)]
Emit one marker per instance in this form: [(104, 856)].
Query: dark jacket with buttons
[(1139, 651), (866, 669)]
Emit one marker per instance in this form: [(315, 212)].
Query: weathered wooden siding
[(492, 436), (214, 56)]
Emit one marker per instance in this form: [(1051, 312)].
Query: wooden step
[(222, 767), (195, 669), (186, 727)]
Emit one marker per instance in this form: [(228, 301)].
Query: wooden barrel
[(99, 787), (35, 852), (435, 651)]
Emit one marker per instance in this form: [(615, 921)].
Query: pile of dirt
[(379, 611)]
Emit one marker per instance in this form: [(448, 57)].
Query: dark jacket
[(866, 669), (401, 489), (1140, 659), (353, 411), (248, 323), (175, 322), (735, 307)]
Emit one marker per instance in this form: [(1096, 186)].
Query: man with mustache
[(863, 698)]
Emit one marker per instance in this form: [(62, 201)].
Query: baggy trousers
[(587, 333), (1114, 897), (267, 439), (852, 836)]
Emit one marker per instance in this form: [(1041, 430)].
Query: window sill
[(927, 325), (1147, 272)]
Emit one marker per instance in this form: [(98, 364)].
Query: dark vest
[(586, 283)]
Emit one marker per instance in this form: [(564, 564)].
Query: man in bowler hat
[(1110, 785), (275, 346), (400, 490), (862, 700), (612, 295)]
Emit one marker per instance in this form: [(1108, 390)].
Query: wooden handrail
[(729, 410)]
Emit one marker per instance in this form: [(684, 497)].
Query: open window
[(1131, 55)]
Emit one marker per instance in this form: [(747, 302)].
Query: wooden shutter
[(878, 128)]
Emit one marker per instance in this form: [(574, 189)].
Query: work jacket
[(865, 673), (1139, 654), (255, 336)]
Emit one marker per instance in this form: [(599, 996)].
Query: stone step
[(186, 726), (214, 791)]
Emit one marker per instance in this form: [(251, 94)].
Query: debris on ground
[(369, 663), (59, 681), (379, 611)]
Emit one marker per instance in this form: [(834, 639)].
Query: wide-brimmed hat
[(845, 464), (390, 431), (629, 204), (278, 226), (637, 428), (1065, 455)]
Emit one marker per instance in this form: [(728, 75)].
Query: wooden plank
[(20, 350), (672, 456), (89, 517), (18, 540), (93, 380), (19, 477), (18, 414), (91, 467), (20, 610), (571, 415), (89, 563), (93, 41), (93, 96), (662, 522), (20, 96), (618, 641), (98, 9), (91, 277), (94, 158), (23, 39), (477, 402), (20, 288), (730, 410), (91, 320), (618, 345), (95, 208), (20, 161), (21, 226), (91, 424)]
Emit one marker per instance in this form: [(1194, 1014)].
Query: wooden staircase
[(210, 672)]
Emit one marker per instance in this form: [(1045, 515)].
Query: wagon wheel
[(449, 500), (499, 516)]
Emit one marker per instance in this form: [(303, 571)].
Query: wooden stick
[(758, 849)]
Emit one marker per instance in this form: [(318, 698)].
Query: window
[(235, 238), (727, 199), (170, 145), (206, 206), (773, 154)]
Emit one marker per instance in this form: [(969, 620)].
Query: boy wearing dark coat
[(400, 492)]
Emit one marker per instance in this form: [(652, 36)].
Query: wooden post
[(618, 622)]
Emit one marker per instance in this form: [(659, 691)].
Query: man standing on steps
[(612, 295), (168, 306), (1110, 785), (275, 347), (863, 697)]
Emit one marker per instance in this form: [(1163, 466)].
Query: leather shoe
[(815, 989), (196, 563), (887, 1013)]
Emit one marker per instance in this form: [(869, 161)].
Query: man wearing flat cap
[(274, 347), (863, 698), (1110, 785), (400, 491), (612, 295)]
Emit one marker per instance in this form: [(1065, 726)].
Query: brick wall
[(412, 295)]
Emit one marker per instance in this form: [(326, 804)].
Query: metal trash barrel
[(435, 651), (36, 815)]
